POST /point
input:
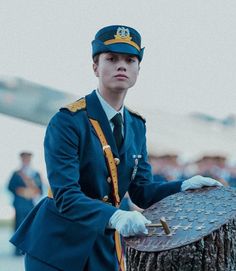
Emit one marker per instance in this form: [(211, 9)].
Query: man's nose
[(122, 66)]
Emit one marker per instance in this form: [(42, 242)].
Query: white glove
[(198, 182), (129, 223)]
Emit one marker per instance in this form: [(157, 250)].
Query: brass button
[(109, 179), (105, 198), (117, 161)]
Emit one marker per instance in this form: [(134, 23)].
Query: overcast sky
[(189, 61)]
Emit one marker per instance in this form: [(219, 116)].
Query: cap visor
[(123, 48)]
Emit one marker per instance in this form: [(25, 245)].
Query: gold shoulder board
[(77, 105), (136, 114)]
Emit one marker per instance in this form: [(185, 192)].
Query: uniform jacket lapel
[(96, 112)]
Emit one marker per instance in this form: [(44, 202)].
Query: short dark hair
[(96, 59)]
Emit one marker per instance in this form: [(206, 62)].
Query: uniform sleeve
[(38, 182), (14, 183), (142, 190), (61, 146)]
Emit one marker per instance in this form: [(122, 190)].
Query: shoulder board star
[(136, 114), (77, 105)]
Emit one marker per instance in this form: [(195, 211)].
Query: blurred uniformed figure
[(26, 187), (95, 151)]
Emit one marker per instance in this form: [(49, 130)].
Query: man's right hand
[(27, 192), (129, 223)]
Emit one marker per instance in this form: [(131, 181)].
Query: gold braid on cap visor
[(122, 40)]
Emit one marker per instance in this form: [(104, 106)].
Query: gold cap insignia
[(123, 34)]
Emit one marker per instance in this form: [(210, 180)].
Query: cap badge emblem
[(123, 33)]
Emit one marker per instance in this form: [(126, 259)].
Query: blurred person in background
[(166, 168), (26, 186), (157, 165), (214, 166)]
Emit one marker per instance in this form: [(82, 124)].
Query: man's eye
[(131, 60), (112, 59)]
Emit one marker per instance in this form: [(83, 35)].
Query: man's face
[(26, 160), (116, 72)]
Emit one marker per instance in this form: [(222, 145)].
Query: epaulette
[(136, 114), (76, 106)]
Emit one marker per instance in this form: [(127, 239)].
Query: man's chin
[(121, 87), (119, 90)]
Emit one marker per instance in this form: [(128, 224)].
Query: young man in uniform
[(95, 151), (25, 185)]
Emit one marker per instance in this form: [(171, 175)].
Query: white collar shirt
[(110, 111)]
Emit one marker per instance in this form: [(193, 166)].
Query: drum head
[(190, 215)]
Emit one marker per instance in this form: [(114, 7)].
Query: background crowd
[(169, 167)]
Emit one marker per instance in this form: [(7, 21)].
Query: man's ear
[(95, 69)]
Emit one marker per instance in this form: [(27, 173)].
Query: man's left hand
[(198, 182)]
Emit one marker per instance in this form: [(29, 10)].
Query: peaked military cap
[(118, 39), (25, 154)]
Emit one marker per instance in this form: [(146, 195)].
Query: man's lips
[(121, 76)]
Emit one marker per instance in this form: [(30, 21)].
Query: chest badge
[(135, 169)]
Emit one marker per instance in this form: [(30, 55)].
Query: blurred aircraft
[(190, 136), (30, 101)]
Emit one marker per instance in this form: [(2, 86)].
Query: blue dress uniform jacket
[(70, 231)]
